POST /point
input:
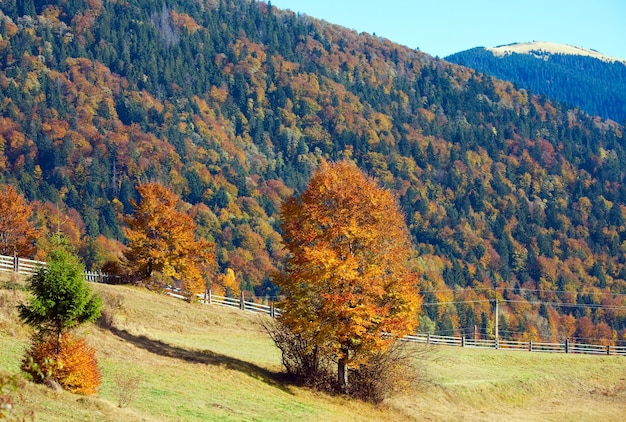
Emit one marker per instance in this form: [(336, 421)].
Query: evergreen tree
[(26, 7), (62, 299)]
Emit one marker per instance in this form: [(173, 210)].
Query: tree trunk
[(59, 332), (342, 370)]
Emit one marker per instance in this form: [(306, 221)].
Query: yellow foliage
[(161, 239), (227, 284), (348, 278)]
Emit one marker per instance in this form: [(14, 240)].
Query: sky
[(444, 27)]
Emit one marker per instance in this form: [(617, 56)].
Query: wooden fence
[(530, 346), (209, 298), (20, 265), (29, 267)]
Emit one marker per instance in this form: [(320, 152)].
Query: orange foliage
[(17, 233), (183, 20), (161, 238), (51, 218), (71, 362), (227, 284), (348, 278)]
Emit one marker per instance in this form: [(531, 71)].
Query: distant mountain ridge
[(545, 49), (578, 77)]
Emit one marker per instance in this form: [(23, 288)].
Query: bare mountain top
[(549, 47)]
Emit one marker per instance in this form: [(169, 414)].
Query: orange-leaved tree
[(348, 281), (161, 238), (17, 234)]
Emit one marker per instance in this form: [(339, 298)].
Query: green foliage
[(61, 298)]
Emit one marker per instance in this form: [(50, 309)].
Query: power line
[(571, 305), (559, 291), (457, 301), (533, 302), (520, 289)]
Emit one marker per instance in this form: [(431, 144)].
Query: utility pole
[(496, 327)]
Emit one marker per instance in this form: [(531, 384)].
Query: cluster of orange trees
[(350, 282), (161, 238)]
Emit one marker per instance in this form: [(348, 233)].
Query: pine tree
[(62, 299)]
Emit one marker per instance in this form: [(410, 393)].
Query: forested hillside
[(232, 104), (595, 86)]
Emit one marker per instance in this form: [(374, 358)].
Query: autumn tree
[(161, 238), (348, 281), (17, 234)]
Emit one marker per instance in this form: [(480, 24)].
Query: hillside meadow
[(197, 363)]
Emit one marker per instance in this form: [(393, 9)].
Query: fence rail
[(29, 267), (20, 265), (530, 346), (241, 303), (25, 266)]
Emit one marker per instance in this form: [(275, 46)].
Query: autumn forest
[(234, 104)]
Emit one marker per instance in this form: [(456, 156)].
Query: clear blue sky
[(443, 27)]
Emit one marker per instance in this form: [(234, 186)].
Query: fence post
[(608, 349), (530, 346), (462, 341), (242, 303), (272, 311), (566, 345), (428, 338), (16, 264)]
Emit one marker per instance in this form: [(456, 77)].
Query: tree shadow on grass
[(207, 357)]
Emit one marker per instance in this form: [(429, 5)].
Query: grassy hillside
[(200, 362)]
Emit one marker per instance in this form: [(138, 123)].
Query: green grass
[(204, 363)]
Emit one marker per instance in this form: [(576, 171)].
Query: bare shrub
[(157, 282), (397, 370), (127, 388), (11, 398), (306, 362), (8, 309)]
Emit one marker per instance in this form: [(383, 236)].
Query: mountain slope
[(580, 78), (233, 104)]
